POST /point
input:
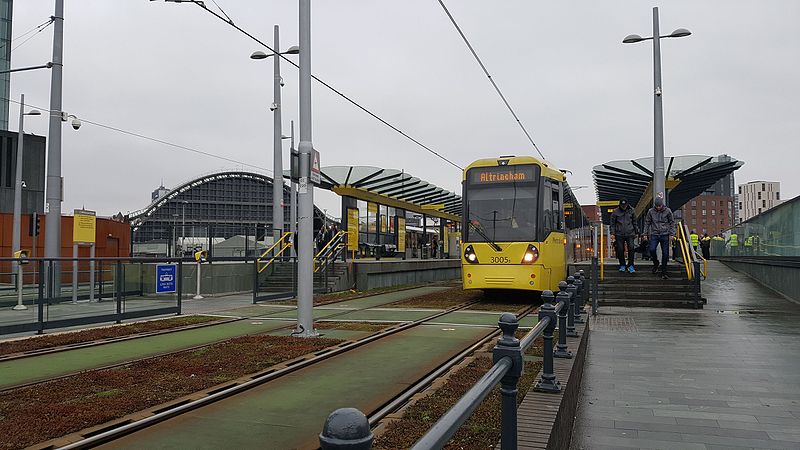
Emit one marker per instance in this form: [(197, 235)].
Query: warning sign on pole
[(315, 168), (84, 226)]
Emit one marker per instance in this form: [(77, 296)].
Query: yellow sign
[(608, 203), (84, 226), (401, 234), (352, 229), (446, 241)]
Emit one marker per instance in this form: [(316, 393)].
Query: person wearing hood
[(660, 229), (623, 227)]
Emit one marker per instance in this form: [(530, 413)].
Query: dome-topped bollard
[(346, 429)]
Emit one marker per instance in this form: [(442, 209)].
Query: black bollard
[(571, 310), (587, 285), (346, 429), (548, 382), (563, 298), (508, 345)]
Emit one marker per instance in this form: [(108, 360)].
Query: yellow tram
[(514, 232)]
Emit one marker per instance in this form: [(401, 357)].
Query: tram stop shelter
[(391, 213), (687, 177)]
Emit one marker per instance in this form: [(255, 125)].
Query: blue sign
[(166, 278)]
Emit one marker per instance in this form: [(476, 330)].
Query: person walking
[(623, 227), (660, 229), (705, 246)]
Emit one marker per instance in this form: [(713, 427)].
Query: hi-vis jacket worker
[(695, 239)]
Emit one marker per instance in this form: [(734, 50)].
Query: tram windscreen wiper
[(480, 231)]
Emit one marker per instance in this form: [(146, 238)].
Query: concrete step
[(646, 296), (644, 288), (648, 303)]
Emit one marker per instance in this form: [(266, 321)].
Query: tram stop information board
[(84, 226)]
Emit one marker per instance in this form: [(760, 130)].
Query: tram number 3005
[(500, 260)]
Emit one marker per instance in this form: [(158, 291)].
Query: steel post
[(19, 306), (509, 346), (52, 235), (595, 285), (179, 287), (40, 297), (91, 272), (548, 382), (277, 132), (120, 285), (198, 296), (346, 429), (292, 196), (571, 309), (74, 273), (305, 278), (576, 302), (17, 226), (563, 298), (658, 115)]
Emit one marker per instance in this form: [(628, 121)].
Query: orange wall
[(112, 239)]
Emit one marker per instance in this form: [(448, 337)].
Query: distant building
[(33, 174), (714, 210), (592, 213), (6, 9), (756, 197), (159, 192)]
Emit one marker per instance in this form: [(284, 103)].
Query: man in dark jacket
[(659, 225), (623, 227)]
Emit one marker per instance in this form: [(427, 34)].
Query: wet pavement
[(726, 376)]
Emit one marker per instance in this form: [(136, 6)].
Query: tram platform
[(387, 272), (726, 376)]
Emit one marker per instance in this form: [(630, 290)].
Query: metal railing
[(277, 249), (330, 251), (349, 428)]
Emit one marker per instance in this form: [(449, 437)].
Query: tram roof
[(392, 187), (687, 177)]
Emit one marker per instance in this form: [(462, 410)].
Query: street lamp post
[(658, 118), (16, 228), (292, 195), (277, 165)]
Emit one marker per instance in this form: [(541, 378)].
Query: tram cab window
[(552, 216)]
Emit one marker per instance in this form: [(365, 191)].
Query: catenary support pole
[(658, 115), (52, 235), (17, 227), (292, 195), (91, 272), (305, 278)]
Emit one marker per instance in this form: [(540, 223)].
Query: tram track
[(183, 349), (142, 420)]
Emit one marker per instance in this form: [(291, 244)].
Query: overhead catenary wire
[(37, 29), (496, 88), (228, 20), (157, 140)]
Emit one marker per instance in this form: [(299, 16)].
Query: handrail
[(348, 427), (284, 246), (329, 251), (687, 259)]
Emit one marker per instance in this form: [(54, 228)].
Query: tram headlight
[(470, 256), (531, 255)]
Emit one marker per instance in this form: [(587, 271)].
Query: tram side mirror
[(22, 255), (201, 256)]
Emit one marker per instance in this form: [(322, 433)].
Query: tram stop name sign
[(166, 278)]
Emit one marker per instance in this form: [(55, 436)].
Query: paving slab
[(726, 376)]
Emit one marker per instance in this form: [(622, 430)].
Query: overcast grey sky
[(174, 72)]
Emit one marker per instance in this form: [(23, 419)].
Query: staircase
[(280, 278), (645, 289)]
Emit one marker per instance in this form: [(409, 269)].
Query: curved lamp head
[(680, 32), (631, 38), (33, 112), (258, 55), (293, 50)]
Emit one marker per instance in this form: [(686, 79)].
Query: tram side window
[(556, 210), (547, 210)]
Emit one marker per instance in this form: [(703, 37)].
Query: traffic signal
[(33, 224)]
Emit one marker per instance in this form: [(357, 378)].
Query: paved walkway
[(727, 376)]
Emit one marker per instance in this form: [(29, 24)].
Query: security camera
[(658, 92), (273, 107), (23, 185), (76, 123), (282, 83)]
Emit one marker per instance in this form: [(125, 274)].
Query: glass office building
[(6, 8)]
